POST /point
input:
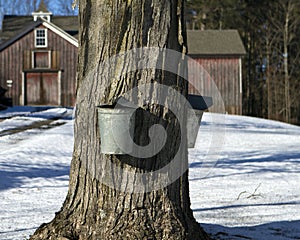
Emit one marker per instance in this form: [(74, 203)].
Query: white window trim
[(33, 59), (46, 37), (59, 87)]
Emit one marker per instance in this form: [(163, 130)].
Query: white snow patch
[(251, 192)]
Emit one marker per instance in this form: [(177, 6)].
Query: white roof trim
[(60, 32)]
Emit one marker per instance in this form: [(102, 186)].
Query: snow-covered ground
[(252, 192)]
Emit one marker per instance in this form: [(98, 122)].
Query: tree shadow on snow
[(284, 230), (254, 162), (13, 176)]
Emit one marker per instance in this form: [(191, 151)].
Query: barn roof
[(13, 25), (200, 42), (19, 34), (214, 42), (67, 34)]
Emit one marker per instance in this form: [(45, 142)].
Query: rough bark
[(93, 210)]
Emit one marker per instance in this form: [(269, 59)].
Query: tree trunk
[(285, 64), (94, 209)]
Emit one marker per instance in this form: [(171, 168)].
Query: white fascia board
[(60, 32)]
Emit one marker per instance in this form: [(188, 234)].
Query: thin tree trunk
[(268, 75), (286, 67), (93, 210)]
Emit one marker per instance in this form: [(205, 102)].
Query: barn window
[(41, 59), (41, 37)]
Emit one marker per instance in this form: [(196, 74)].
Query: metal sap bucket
[(193, 126), (116, 129), (199, 104)]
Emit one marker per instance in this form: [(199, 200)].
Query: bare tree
[(63, 7), (21, 7), (26, 7), (281, 21), (17, 7)]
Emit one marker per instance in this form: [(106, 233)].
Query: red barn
[(38, 56), (219, 52)]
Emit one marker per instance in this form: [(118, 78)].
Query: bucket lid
[(200, 102)]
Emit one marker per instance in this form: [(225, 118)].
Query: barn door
[(42, 89)]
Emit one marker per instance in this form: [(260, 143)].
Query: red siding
[(224, 73), (17, 58), (67, 61)]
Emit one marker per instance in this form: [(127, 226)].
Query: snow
[(252, 192)]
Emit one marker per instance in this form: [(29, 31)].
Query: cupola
[(42, 12)]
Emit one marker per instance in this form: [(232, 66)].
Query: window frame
[(33, 57), (36, 38)]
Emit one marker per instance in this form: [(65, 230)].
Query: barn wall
[(11, 62), (17, 58), (224, 72), (67, 60)]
